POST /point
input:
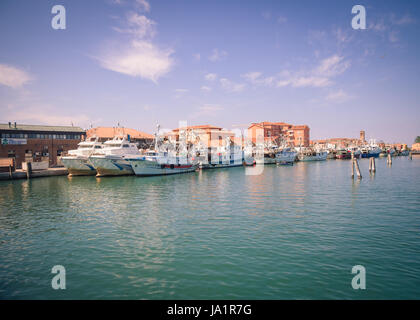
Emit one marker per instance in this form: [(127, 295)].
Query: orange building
[(292, 135), (209, 135), (415, 147)]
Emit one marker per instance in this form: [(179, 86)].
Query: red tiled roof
[(110, 132), (205, 126)]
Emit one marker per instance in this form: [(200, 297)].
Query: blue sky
[(225, 63)]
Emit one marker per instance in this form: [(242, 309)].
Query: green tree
[(417, 140)]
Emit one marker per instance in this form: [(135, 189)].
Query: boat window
[(125, 145)]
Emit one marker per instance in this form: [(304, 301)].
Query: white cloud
[(342, 36), (141, 59), (232, 86), (406, 19), (339, 96), (256, 78), (144, 5), (206, 89), (210, 76), (300, 82), (252, 76), (138, 57), (378, 26), (197, 56), (217, 55), (332, 66), (13, 77), (139, 26), (320, 76)]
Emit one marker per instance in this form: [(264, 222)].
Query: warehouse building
[(37, 142)]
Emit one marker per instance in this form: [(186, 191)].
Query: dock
[(20, 174)]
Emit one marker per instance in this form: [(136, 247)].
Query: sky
[(227, 63)]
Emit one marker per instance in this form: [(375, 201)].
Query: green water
[(289, 233)]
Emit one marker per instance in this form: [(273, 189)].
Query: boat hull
[(286, 158), (111, 166), (78, 166), (370, 155), (145, 168), (265, 160), (318, 157), (344, 156)]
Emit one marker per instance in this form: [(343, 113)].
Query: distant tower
[(362, 136)]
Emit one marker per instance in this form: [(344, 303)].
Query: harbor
[(266, 236), (213, 156), (182, 150), (261, 216)]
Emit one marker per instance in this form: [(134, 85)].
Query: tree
[(417, 140)]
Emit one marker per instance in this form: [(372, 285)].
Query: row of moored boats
[(120, 156)]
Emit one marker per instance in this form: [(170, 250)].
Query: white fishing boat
[(286, 157), (161, 165), (355, 151), (307, 154), (170, 157), (112, 159), (370, 150), (228, 155), (77, 161)]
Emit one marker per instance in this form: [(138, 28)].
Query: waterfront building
[(208, 135), (334, 143), (142, 139), (37, 142), (280, 132), (415, 147)]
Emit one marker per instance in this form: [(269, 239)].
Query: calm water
[(291, 232)]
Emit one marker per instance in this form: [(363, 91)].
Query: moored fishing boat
[(355, 151), (331, 153), (312, 155), (162, 165), (286, 157), (343, 154), (374, 152), (77, 161), (112, 159)]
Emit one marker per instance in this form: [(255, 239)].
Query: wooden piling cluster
[(372, 164), (389, 159), (29, 170), (355, 164)]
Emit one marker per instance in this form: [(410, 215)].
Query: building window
[(11, 153)]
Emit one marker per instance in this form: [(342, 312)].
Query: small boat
[(343, 154), (112, 159), (77, 161), (286, 157)]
